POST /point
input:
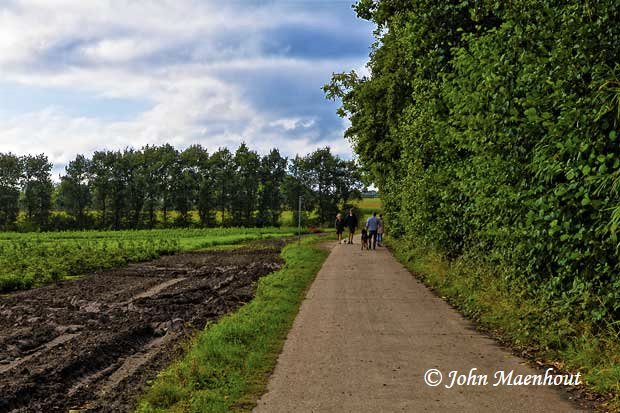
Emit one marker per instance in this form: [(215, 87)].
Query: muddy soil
[(95, 343)]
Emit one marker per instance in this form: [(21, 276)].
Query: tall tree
[(205, 196), (150, 172), (11, 171), (271, 197), (185, 182), (297, 184), (101, 177), (244, 195), (135, 180), (74, 189), (348, 181), (224, 173), (165, 171), (333, 180), (38, 188), (118, 187), (325, 182)]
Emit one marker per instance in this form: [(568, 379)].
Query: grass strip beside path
[(228, 364)]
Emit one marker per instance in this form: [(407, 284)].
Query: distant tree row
[(133, 189)]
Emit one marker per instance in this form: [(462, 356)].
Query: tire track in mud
[(55, 342), (93, 344)]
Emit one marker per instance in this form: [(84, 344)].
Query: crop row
[(26, 264), (33, 259)]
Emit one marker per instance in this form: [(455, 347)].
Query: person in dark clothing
[(339, 227), (351, 223)]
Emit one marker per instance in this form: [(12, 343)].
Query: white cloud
[(173, 53), (119, 50)]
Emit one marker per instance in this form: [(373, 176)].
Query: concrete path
[(365, 336)]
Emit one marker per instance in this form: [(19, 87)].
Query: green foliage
[(38, 188), (10, 176), (160, 186), (25, 180), (491, 129), (31, 262), (245, 191), (228, 364), (272, 173), (74, 193), (324, 181), (33, 259), (365, 207)]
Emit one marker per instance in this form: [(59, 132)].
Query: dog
[(364, 239)]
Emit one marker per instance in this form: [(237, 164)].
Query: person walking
[(371, 224), (380, 230), (351, 223), (339, 227)]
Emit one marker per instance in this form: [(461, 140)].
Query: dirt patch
[(93, 344)]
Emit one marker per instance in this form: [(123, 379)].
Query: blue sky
[(78, 76)]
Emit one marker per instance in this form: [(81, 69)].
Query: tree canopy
[(141, 188), (491, 131)]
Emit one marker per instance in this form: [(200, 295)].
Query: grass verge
[(227, 365), (531, 326)]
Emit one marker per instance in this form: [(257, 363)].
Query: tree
[(128, 188), (11, 171), (272, 172), (245, 190), (297, 185), (224, 174), (185, 182), (119, 171), (74, 191), (325, 181), (38, 188), (205, 196), (133, 165), (100, 172), (491, 130), (167, 156), (150, 172), (348, 181)]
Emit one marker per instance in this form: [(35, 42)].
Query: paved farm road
[(366, 334)]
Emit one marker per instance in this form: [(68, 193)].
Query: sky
[(79, 76)]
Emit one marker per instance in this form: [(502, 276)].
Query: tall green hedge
[(491, 129)]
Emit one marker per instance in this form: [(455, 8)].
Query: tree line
[(161, 186), (491, 129)]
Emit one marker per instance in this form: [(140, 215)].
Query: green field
[(33, 259), (367, 206)]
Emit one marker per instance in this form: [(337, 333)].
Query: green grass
[(528, 323), (370, 203), (286, 217), (367, 206), (227, 365), (32, 259)]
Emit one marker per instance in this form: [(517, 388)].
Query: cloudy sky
[(78, 76)]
